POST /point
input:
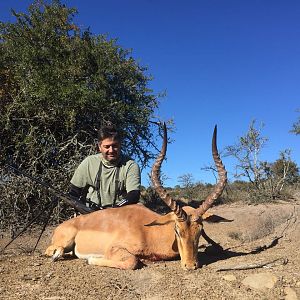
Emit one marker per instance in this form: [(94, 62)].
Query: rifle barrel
[(66, 198)]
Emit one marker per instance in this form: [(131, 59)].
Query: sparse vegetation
[(234, 192), (266, 181), (58, 85), (53, 93), (296, 126), (266, 225)]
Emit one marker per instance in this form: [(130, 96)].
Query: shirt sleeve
[(133, 178), (81, 175)]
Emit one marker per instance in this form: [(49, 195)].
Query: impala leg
[(118, 258), (63, 241)]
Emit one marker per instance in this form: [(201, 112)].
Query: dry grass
[(265, 225)]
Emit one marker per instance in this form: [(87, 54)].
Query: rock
[(229, 277), (49, 275), (290, 294), (260, 281), (54, 298)]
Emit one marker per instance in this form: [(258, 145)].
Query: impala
[(122, 237)]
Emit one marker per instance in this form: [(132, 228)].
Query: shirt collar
[(109, 164)]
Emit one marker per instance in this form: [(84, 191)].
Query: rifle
[(83, 209), (66, 198)]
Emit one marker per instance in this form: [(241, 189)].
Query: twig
[(290, 221), (268, 264), (273, 242)]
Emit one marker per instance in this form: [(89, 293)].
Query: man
[(107, 179)]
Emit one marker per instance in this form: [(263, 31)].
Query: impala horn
[(155, 177), (217, 192)]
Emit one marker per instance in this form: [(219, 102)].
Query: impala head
[(187, 220), (187, 234)]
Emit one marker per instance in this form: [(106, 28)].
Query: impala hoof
[(58, 253)]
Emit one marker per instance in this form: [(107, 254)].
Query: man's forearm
[(78, 193), (75, 191), (131, 198)]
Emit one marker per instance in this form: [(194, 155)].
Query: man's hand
[(122, 203)]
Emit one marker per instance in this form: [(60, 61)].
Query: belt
[(105, 206)]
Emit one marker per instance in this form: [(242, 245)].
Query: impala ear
[(162, 220), (211, 218)]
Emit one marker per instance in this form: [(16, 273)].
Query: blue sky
[(220, 62)]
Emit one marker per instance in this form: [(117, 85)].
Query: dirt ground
[(258, 235)]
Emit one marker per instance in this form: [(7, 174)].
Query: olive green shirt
[(86, 175)]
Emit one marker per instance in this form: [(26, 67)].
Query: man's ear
[(162, 220), (99, 145), (211, 218)]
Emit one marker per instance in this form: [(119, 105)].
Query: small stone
[(260, 281), (229, 277), (50, 274), (26, 277), (290, 294), (35, 278)]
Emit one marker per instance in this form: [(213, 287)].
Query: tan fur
[(120, 237)]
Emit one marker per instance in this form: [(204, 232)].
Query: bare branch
[(266, 264)]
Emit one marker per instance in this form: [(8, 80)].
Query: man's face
[(110, 149)]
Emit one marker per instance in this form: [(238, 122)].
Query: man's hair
[(108, 131)]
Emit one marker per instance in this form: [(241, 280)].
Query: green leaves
[(66, 82), (58, 84), (296, 126)]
